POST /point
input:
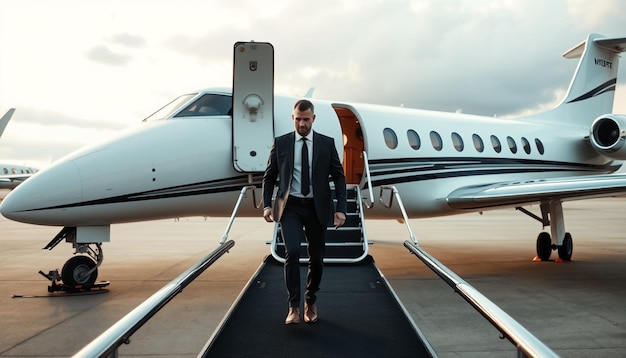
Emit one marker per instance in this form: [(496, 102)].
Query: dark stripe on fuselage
[(381, 167), (412, 169), (209, 187), (419, 169), (458, 174)]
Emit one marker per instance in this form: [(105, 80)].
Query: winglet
[(5, 119)]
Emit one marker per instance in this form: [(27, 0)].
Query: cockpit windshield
[(211, 104), (170, 108)]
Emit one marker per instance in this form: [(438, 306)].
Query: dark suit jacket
[(325, 164)]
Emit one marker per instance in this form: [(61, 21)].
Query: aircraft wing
[(12, 180), (527, 192)]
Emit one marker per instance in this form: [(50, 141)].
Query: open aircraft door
[(253, 105)]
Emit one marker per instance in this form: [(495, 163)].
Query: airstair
[(345, 244), (379, 325)]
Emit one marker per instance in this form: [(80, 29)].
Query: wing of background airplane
[(12, 180), (518, 193)]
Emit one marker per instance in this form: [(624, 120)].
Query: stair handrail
[(394, 192), (235, 209), (364, 241), (368, 181), (527, 345), (107, 344)]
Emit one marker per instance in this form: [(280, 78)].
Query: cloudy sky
[(78, 71)]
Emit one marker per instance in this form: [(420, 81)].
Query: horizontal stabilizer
[(617, 44)]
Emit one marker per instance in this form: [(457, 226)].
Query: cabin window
[(539, 146), (457, 141), (5, 170), (526, 145), (512, 144), (495, 142), (414, 139), (478, 143), (391, 139), (435, 139)]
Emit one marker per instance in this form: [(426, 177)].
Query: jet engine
[(608, 135)]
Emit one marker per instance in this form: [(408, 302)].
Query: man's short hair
[(304, 104)]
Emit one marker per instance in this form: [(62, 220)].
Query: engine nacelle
[(608, 136)]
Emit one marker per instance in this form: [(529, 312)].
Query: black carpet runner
[(358, 317)]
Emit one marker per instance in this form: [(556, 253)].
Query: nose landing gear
[(80, 272), (60, 284)]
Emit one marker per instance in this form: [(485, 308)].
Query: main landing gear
[(79, 272), (557, 239), (545, 247)]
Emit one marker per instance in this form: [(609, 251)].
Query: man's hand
[(340, 218), (267, 215)]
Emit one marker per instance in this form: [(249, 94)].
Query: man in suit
[(304, 201)]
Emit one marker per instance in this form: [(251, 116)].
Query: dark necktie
[(305, 168)]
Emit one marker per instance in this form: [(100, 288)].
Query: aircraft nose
[(45, 197)]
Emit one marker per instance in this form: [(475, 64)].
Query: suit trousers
[(298, 215)]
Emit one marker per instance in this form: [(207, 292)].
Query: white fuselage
[(178, 167)]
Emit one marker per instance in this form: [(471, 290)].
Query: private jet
[(194, 156)]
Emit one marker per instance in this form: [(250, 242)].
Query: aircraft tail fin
[(309, 93), (592, 89), (5, 120)]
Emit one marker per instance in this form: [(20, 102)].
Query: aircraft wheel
[(565, 250), (74, 272), (544, 246)]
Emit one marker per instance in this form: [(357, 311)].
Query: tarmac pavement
[(576, 308)]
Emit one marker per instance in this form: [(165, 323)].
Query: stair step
[(349, 252), (352, 220), (344, 235), (344, 243)]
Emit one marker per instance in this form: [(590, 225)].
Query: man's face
[(303, 121)]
